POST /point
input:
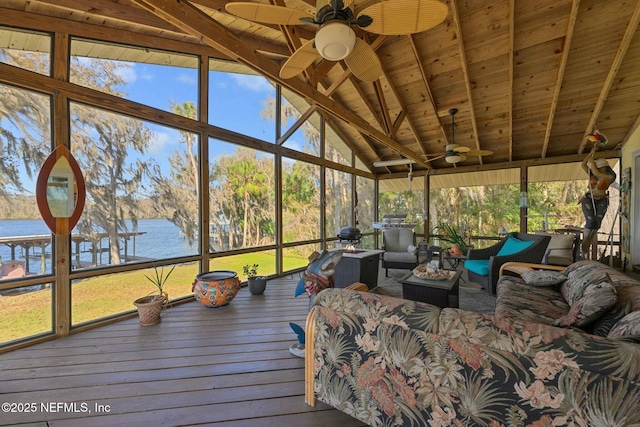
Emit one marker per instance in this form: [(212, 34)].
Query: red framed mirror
[(60, 191)]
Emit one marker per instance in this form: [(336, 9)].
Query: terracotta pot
[(455, 250), (216, 288), (150, 309)]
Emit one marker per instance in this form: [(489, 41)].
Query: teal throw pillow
[(513, 245)]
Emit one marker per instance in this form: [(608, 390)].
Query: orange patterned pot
[(455, 250), (216, 288)]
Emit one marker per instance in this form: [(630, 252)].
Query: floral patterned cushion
[(595, 300), (628, 292), (518, 300), (628, 326), (391, 362), (574, 288), (543, 277)]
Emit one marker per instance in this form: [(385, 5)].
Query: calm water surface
[(162, 239)]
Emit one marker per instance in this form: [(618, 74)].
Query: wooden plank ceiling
[(530, 78)]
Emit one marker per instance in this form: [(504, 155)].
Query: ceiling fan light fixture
[(454, 158), (335, 41)]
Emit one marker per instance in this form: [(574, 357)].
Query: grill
[(350, 235)]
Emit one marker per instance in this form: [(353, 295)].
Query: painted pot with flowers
[(257, 284)]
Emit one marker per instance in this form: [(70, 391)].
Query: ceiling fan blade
[(479, 153), (364, 62), (300, 60), (435, 157), (398, 17), (461, 149), (267, 14), (345, 3)]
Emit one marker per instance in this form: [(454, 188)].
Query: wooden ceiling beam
[(116, 11), (116, 35), (192, 20), (303, 118), (465, 73), (512, 26), (425, 79), (570, 158), (399, 120), (382, 103), (613, 70), (356, 85), (293, 40), (345, 138), (219, 6), (571, 27), (631, 131)]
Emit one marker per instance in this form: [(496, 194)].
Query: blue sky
[(236, 101)]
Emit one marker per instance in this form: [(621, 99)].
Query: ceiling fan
[(335, 40), (455, 153)]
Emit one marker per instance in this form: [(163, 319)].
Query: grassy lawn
[(31, 313)]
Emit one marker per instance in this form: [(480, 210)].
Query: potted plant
[(150, 306), (257, 284), (449, 233)]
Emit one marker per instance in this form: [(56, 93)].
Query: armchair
[(400, 251), (563, 249), (483, 265)]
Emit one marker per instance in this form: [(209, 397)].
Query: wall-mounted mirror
[(60, 191)]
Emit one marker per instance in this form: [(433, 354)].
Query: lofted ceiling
[(530, 79)]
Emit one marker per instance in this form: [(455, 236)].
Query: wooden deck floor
[(228, 366)]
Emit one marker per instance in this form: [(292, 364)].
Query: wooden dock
[(43, 241), (227, 366)]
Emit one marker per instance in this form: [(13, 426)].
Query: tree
[(101, 143), (25, 135), (178, 194)]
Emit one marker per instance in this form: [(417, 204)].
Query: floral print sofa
[(395, 362)]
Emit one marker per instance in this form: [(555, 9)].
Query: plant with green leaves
[(159, 279), (449, 233), (251, 271)]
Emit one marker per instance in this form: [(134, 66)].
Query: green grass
[(31, 313)]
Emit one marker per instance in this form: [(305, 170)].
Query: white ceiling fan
[(455, 153), (335, 40)]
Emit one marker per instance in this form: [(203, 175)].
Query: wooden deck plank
[(226, 367)]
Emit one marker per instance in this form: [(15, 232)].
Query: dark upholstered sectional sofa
[(389, 361)]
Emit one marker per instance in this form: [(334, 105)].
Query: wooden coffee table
[(442, 293)]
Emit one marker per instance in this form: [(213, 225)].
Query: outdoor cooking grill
[(350, 235)]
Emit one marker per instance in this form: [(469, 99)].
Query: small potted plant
[(150, 306), (257, 284), (450, 234)]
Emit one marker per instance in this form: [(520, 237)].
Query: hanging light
[(454, 158), (335, 41)]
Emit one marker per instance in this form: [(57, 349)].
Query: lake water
[(162, 239)]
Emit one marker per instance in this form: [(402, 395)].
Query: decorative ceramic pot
[(150, 309), (257, 285), (216, 288), (455, 250)]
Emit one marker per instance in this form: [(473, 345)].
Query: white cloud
[(160, 144), (252, 83), (294, 145), (187, 79), (128, 73)]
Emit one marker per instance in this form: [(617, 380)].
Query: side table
[(441, 293)]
